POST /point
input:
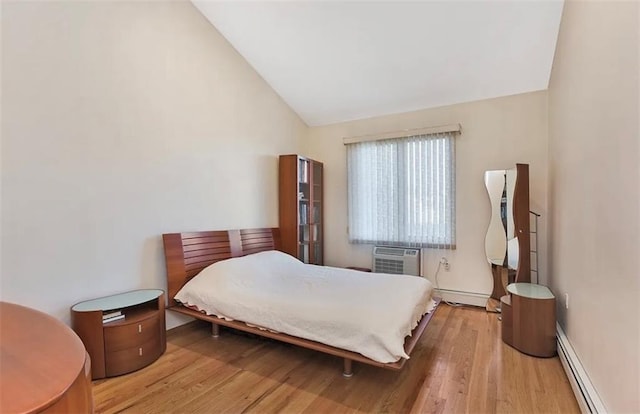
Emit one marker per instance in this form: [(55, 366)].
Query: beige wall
[(594, 190), (122, 121), (497, 134)]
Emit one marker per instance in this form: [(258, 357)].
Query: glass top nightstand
[(123, 332), (118, 301), (530, 290), (529, 319)]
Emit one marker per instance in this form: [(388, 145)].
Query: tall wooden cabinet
[(521, 222), (301, 208)]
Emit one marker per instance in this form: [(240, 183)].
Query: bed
[(229, 262)]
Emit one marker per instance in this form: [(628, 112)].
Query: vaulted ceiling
[(334, 61)]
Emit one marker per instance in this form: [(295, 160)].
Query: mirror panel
[(511, 177), (507, 242), (513, 253), (513, 247), (495, 242), (501, 242)]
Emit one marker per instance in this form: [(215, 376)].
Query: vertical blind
[(402, 191)]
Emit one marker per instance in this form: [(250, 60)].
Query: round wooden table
[(43, 364)]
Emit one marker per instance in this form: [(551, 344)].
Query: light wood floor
[(460, 365)]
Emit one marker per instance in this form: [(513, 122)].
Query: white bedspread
[(368, 313)]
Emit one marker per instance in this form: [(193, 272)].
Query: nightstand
[(122, 344), (529, 319)]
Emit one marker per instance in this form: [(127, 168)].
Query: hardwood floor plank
[(459, 365), (305, 383)]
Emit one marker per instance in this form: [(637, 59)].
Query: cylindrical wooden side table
[(44, 368)]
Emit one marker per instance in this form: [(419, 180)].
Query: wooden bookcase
[(301, 208)]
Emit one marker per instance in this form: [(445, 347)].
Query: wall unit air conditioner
[(396, 260)]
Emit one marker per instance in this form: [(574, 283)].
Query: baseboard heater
[(466, 298), (586, 395)]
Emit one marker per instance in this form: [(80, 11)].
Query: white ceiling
[(334, 61)]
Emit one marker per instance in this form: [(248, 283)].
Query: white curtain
[(402, 191)]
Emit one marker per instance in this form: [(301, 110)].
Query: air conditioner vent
[(395, 267), (389, 251), (396, 260)]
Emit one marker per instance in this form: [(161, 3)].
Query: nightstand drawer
[(131, 335), (131, 359)]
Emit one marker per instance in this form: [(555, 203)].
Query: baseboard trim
[(586, 395), (458, 296)]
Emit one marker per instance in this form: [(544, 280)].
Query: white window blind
[(402, 191)]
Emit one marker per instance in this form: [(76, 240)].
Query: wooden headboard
[(186, 254)]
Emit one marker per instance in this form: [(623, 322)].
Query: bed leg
[(215, 330), (348, 368)]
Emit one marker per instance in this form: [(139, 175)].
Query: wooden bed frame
[(186, 254)]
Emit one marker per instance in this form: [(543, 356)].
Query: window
[(402, 191)]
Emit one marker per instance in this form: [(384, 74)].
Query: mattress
[(367, 313)]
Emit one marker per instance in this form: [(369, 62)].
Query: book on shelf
[(111, 314), (303, 174), (113, 318), (304, 212)]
